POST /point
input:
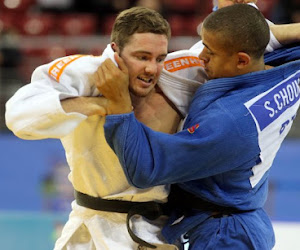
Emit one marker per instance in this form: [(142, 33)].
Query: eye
[(160, 60), (210, 52), (207, 51), (142, 58)]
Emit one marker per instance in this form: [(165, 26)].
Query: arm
[(87, 106), (151, 158), (286, 33), (35, 111)]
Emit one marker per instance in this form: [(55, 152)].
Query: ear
[(243, 60), (115, 47)]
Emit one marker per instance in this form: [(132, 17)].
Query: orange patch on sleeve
[(182, 63), (58, 67)]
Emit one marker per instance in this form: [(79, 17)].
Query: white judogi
[(35, 112)]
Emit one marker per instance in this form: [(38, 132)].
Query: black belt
[(178, 199), (150, 210), (185, 201)]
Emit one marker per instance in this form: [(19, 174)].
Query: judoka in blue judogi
[(224, 153)]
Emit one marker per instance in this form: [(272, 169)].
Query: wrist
[(119, 108)]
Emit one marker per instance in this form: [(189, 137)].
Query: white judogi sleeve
[(273, 43), (35, 111), (183, 73)]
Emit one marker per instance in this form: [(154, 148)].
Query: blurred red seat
[(16, 6), (177, 24), (37, 24), (107, 24), (8, 21), (34, 57), (191, 24), (181, 5), (48, 53), (266, 7), (77, 24)]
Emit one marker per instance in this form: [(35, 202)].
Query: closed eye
[(161, 59), (143, 58)]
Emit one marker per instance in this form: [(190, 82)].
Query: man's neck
[(254, 67), (138, 101), (259, 65), (268, 67), (156, 111)]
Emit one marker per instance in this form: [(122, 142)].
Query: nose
[(203, 57), (152, 67)]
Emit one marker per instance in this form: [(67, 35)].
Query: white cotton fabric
[(180, 84)]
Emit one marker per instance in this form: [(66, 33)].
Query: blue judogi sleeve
[(283, 55), (212, 145)]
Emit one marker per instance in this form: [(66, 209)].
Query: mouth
[(146, 81)]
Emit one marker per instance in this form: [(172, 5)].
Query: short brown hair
[(242, 28), (138, 20)]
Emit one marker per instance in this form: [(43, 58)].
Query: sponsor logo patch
[(58, 67), (182, 63), (193, 128)]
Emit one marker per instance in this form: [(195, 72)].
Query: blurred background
[(34, 190)]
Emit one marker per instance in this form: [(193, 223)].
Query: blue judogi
[(223, 155)]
